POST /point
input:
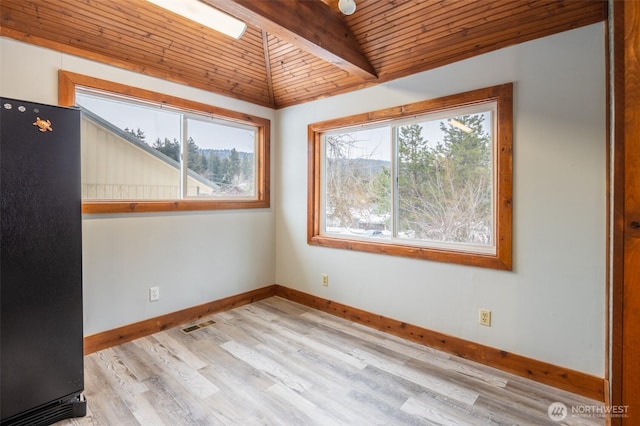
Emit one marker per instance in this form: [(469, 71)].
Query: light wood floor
[(276, 362)]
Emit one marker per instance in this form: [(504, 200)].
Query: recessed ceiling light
[(206, 15)]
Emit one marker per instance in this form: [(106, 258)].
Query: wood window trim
[(67, 82), (502, 259)]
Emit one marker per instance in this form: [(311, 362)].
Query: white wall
[(193, 257), (551, 307)]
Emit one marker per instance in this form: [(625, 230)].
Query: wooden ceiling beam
[(311, 26), (267, 63)]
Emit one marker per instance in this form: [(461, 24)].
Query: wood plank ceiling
[(269, 65)]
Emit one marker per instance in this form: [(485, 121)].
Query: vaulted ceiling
[(293, 51)]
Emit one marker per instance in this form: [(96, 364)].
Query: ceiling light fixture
[(206, 15), (460, 126), (347, 6)]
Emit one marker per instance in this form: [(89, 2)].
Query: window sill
[(501, 261), (102, 207)]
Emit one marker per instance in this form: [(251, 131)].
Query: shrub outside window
[(429, 180)]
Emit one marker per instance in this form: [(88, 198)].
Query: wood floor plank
[(264, 364), (135, 360), (297, 401), (173, 405), (282, 332), (180, 350), (242, 391), (143, 411), (113, 408), (419, 377), (191, 380), (432, 411), (417, 352), (119, 375), (276, 362)]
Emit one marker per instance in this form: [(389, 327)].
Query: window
[(144, 151), (429, 180)]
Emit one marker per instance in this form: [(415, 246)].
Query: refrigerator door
[(41, 265)]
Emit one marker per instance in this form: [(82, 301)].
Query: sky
[(157, 123), (375, 142), (372, 142)]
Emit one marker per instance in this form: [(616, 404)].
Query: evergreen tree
[(196, 161), (225, 171), (233, 169), (215, 171), (246, 166), (445, 190), (415, 159), (381, 194), (468, 149), (413, 152), (169, 148), (138, 134)]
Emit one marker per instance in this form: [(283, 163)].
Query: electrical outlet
[(325, 280), (485, 317), (154, 294)]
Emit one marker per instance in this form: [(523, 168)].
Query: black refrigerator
[(41, 337)]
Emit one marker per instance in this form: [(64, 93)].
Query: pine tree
[(445, 190), (381, 193), (415, 160), (234, 166), (247, 166), (138, 134), (226, 176), (214, 167), (195, 161), (169, 148)]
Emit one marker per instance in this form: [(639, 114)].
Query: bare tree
[(348, 181)]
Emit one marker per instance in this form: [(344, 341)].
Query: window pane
[(445, 176), (358, 183), (221, 161), (444, 193), (129, 151)]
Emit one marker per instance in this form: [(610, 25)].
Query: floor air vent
[(195, 327)]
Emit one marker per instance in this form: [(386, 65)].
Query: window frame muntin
[(67, 82), (503, 185)]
